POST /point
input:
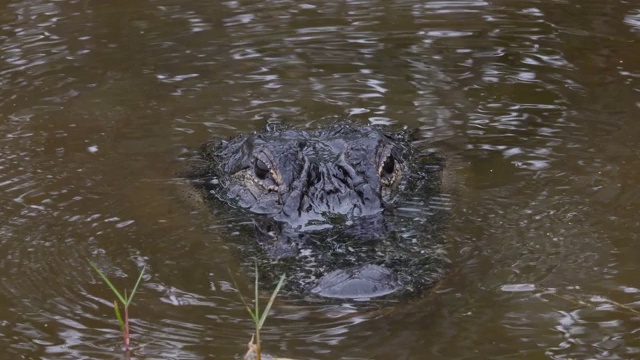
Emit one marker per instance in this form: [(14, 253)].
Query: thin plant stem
[(127, 339)]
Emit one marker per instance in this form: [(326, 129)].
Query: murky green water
[(536, 104)]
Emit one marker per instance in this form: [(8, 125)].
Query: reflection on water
[(534, 104)]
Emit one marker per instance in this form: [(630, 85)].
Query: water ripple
[(535, 105)]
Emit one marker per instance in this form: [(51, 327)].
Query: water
[(534, 102)]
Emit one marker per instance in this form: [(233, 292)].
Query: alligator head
[(320, 201), (306, 177)]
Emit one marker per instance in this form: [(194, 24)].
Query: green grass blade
[(106, 280), (135, 288), (273, 297), (246, 306), (118, 316), (253, 316)]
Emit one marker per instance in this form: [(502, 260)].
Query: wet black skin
[(324, 206)]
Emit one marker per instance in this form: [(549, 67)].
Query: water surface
[(535, 104)]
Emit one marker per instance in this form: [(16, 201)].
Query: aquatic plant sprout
[(124, 299), (255, 350)]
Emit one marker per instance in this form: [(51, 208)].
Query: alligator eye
[(261, 169), (388, 166)]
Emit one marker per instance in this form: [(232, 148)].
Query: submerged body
[(324, 204)]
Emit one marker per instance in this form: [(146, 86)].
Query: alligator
[(342, 210)]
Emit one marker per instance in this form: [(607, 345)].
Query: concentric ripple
[(533, 104)]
